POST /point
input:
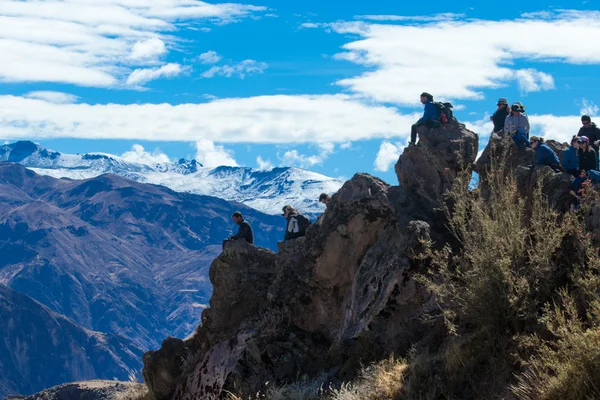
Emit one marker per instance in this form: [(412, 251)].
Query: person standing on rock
[(244, 230), (571, 159), (592, 132), (517, 125), (296, 223), (499, 117), (544, 155), (431, 117)]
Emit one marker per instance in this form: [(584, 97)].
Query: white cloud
[(141, 76), (264, 165), (242, 69), (210, 57), (91, 42), (530, 80), (213, 156), (387, 155), (52, 97), (418, 18), (262, 119), (293, 158), (404, 59), (588, 108), (138, 154), (346, 146), (149, 49)]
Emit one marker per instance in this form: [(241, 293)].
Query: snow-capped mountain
[(266, 191)]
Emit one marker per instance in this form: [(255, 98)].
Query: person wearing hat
[(517, 121), (587, 155), (499, 117), (592, 132), (430, 118), (544, 155)]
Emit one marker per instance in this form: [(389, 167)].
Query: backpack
[(303, 223), (445, 112)]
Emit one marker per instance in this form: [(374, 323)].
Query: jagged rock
[(430, 168), (163, 368), (349, 281)]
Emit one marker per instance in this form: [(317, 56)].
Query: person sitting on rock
[(431, 117), (592, 132), (517, 125), (324, 198), (571, 159), (244, 230), (544, 155), (587, 159), (577, 187), (296, 223), (499, 117)]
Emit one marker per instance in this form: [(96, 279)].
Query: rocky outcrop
[(88, 390), (348, 284)]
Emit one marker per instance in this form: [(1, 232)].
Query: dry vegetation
[(519, 293)]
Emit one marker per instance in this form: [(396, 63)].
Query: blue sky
[(329, 86)]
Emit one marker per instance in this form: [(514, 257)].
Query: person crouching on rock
[(499, 117), (571, 159), (517, 124), (587, 159), (324, 198), (244, 230), (431, 117), (296, 223), (544, 155)]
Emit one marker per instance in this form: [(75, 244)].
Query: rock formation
[(311, 308)]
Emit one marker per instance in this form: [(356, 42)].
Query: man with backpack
[(434, 115), (296, 223)]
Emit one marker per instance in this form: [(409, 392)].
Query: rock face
[(348, 284), (88, 390)]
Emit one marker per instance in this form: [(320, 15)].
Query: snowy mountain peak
[(267, 191)]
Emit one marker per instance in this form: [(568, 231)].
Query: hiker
[(587, 155), (571, 159), (244, 230), (577, 187), (430, 117), (544, 155), (517, 124), (296, 223), (592, 132), (499, 117), (324, 198)]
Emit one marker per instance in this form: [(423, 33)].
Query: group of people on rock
[(296, 224), (579, 160)]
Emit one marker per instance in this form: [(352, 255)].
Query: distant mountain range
[(111, 255), (266, 191), (40, 348)]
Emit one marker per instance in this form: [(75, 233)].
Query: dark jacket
[(544, 155), (430, 113), (296, 226), (587, 160), (244, 232), (499, 118), (571, 159), (592, 132)]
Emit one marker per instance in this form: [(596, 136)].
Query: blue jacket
[(570, 159), (544, 155), (430, 114)]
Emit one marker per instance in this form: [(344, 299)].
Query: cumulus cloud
[(262, 119), (210, 57), (139, 155), (90, 43), (294, 158), (211, 155), (52, 97), (403, 60), (264, 165), (246, 67), (142, 76), (149, 49), (346, 146), (387, 155), (588, 108)]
